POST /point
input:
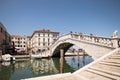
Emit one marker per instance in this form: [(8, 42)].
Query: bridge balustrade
[(109, 42)]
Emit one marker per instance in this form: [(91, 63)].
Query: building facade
[(5, 39), (42, 39), (20, 42), (29, 45)]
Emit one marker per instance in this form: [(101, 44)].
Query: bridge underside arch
[(64, 46)]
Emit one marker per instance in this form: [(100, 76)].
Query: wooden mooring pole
[(61, 60)]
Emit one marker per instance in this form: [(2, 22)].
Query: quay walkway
[(105, 68)]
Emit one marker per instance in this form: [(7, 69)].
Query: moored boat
[(8, 57), (36, 56)]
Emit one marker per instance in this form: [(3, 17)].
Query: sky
[(23, 17)]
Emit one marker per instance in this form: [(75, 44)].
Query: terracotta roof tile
[(44, 31), (18, 36)]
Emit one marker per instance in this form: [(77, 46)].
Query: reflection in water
[(41, 67), (76, 62), (83, 60), (62, 65)]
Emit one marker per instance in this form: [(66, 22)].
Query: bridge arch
[(92, 49)]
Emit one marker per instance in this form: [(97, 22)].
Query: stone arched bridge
[(93, 45)]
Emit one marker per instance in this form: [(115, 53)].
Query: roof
[(45, 31), (18, 36)]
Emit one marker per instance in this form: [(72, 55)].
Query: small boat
[(8, 57), (36, 56)]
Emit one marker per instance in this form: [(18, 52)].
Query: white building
[(42, 39), (20, 42)]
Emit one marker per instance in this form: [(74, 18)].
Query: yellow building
[(20, 42)]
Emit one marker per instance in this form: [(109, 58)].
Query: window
[(39, 44), (48, 44), (43, 44), (54, 35), (18, 41), (1, 30), (48, 40), (43, 34), (39, 34), (43, 39), (39, 39), (48, 35)]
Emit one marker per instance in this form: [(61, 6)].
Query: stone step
[(107, 67), (108, 61), (93, 76), (111, 64), (103, 74), (105, 71), (115, 57), (113, 60), (118, 53)]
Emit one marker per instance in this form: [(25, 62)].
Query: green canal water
[(41, 67)]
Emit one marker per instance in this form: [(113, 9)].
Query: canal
[(41, 67)]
